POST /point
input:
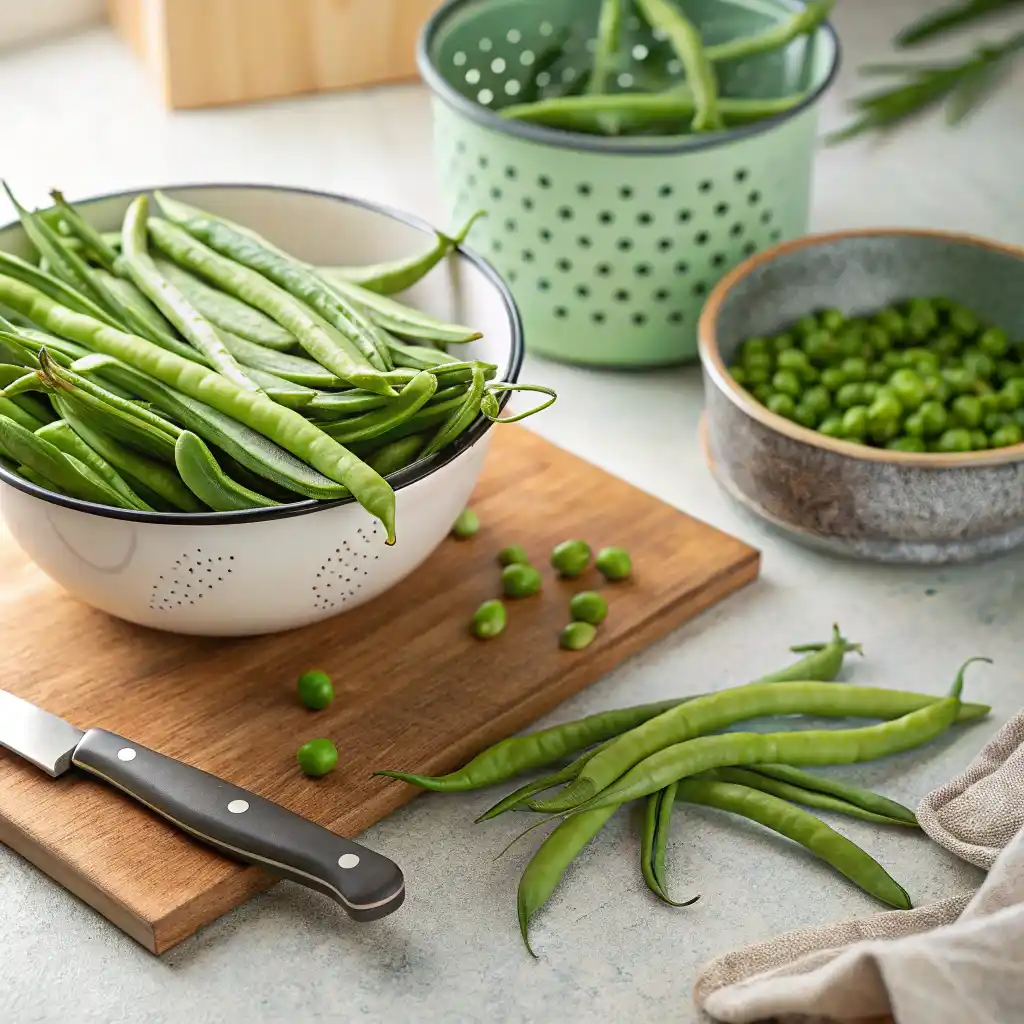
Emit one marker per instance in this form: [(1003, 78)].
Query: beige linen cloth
[(959, 961)]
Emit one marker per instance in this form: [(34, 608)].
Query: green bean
[(32, 476), (62, 436), (227, 312), (461, 418), (248, 447), (609, 31), (52, 286), (549, 863), (326, 345), (410, 400), (450, 373), (129, 295), (284, 392), (803, 828), (781, 35), (24, 344), (704, 715), (76, 228), (654, 843), (296, 279), (43, 458), (292, 431), (404, 321), (836, 746), (24, 418), (208, 482), (417, 357), (592, 114), (398, 454), (399, 275), (519, 754), (172, 303), (295, 369), (154, 477), (873, 803)]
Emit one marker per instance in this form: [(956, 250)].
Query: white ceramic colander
[(262, 571)]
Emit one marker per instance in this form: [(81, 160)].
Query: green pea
[(994, 342), (979, 440), (994, 420), (757, 360), (869, 389), (806, 416), (756, 343), (849, 395), (976, 362), (1007, 435), (577, 635), (906, 444), (1012, 394), (570, 557), (891, 321), (855, 368), (895, 359), (739, 375), (922, 360), (317, 757), (518, 580), (806, 325), (960, 380), (315, 690), (794, 359), (956, 440), (588, 606), (812, 375), (877, 338), (922, 319), (851, 342), (781, 405), (908, 388), (967, 411), (913, 425), (614, 564), (831, 426), (935, 387), (878, 372), (782, 342), (514, 554), (963, 320), (947, 344), (884, 417), (832, 320), (821, 347), (855, 423), (833, 378), (818, 399), (786, 382), (467, 525), (934, 417), (489, 620), (1007, 369), (762, 392), (1018, 417)]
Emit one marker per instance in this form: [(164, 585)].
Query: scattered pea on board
[(588, 606), (489, 620), (519, 580), (514, 554), (923, 376), (571, 558), (466, 525), (317, 757), (315, 690)]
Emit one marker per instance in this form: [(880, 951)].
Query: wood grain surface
[(413, 689)]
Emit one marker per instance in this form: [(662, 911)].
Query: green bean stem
[(802, 23), (803, 828), (609, 31)]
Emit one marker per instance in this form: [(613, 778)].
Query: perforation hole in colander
[(192, 577), (345, 571)]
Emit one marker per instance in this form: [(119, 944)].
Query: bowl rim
[(671, 145), (714, 365), (403, 478)]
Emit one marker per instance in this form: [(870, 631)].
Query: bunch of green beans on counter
[(676, 751), (186, 364), (659, 103)]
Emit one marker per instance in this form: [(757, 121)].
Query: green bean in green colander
[(251, 250)]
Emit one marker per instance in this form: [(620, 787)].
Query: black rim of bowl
[(403, 478), (656, 146)]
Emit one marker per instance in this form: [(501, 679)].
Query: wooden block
[(413, 689), (215, 52)]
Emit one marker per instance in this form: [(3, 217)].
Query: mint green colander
[(610, 245)]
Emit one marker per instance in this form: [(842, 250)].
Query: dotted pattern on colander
[(191, 578), (341, 576)]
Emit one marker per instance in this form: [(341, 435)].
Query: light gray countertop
[(78, 114)]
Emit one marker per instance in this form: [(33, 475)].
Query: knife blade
[(236, 822)]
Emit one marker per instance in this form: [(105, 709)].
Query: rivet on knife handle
[(245, 826)]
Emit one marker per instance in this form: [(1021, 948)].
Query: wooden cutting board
[(413, 689)]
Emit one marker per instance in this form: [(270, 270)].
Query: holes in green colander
[(527, 203), (544, 234), (543, 79), (459, 59), (754, 198), (564, 265), (473, 76), (565, 212), (512, 274), (606, 217), (639, 319), (514, 35), (511, 173), (736, 230), (496, 193), (645, 218), (741, 174), (643, 270), (544, 181), (527, 57), (621, 295), (546, 28), (625, 80), (749, 249), (718, 260), (498, 65), (776, 235), (528, 256), (485, 97), (471, 180), (766, 217), (584, 242), (664, 244), (677, 316), (665, 191), (662, 295), (583, 291), (485, 45), (568, 75), (700, 288), (626, 192), (460, 147), (721, 209), (496, 245), (624, 244), (682, 267), (598, 316), (584, 189), (543, 284), (512, 87), (604, 270), (510, 224), (684, 216), (561, 312), (701, 238), (706, 185)]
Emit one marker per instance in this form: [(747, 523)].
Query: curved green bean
[(609, 31), (803, 828), (287, 367), (689, 48), (326, 345), (52, 286), (416, 357), (251, 250), (815, 746), (411, 399), (12, 410), (654, 843), (549, 863), (208, 482), (801, 23), (461, 419), (171, 302), (284, 426), (398, 454)]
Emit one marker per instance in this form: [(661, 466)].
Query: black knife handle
[(245, 826)]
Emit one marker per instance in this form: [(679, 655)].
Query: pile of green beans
[(675, 752), (185, 364), (659, 102), (927, 375)]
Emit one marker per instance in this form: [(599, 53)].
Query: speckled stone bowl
[(846, 498)]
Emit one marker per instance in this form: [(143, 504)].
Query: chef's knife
[(234, 821)]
